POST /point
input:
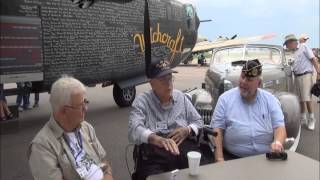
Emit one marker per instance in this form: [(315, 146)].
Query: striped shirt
[(303, 60), (248, 127), (148, 112)]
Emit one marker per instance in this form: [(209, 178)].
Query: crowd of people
[(163, 123)]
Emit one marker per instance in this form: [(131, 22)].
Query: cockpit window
[(189, 10)]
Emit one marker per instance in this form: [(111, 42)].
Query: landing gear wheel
[(124, 97)]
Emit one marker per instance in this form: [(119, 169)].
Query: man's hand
[(276, 146), (167, 144), (280, 135), (106, 169), (107, 177), (218, 153), (179, 134)]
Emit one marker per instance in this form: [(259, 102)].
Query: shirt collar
[(56, 128), (257, 96), (157, 100)]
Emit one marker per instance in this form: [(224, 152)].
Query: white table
[(296, 167)]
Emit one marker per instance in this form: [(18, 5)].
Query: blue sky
[(256, 17)]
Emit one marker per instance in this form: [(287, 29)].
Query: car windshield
[(266, 55)]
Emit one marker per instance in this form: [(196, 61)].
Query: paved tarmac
[(111, 124)]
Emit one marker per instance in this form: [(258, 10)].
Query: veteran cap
[(252, 68), (161, 69)]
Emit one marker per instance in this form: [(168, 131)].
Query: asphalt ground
[(111, 124)]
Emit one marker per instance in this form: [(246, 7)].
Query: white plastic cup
[(194, 162)]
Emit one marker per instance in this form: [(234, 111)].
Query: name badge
[(82, 171), (161, 126)]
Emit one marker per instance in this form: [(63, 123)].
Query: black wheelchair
[(142, 152)]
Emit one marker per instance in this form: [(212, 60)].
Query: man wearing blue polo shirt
[(248, 120)]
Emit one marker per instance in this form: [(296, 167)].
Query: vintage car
[(223, 74)]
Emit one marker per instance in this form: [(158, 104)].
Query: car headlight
[(227, 85)]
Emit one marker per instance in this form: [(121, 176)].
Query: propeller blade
[(234, 36), (147, 40)]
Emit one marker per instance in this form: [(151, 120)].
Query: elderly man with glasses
[(160, 124), (67, 147)]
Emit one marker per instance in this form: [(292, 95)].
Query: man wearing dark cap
[(248, 119), (160, 124), (304, 63)]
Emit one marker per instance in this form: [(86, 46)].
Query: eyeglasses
[(83, 106)]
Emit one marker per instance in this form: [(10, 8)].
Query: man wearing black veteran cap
[(160, 124), (248, 119), (304, 64)]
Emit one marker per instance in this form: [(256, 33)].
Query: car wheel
[(124, 97)]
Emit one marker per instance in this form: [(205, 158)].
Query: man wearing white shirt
[(304, 64)]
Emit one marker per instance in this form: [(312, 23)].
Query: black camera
[(315, 90)]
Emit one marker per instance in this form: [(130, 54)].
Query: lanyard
[(79, 139)]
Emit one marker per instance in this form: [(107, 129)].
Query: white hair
[(63, 89)]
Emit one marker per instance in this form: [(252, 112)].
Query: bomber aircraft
[(108, 42)]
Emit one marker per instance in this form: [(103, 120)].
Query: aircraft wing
[(207, 46)]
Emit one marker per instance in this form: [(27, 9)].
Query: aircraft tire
[(124, 97)]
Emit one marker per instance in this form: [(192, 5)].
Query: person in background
[(303, 39), (5, 113), (304, 64), (316, 53), (23, 96), (36, 100), (201, 59)]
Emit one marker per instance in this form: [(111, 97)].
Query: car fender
[(291, 110)]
